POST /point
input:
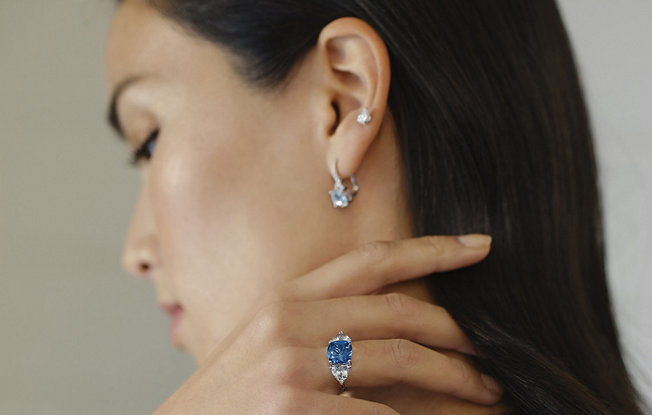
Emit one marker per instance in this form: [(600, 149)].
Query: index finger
[(374, 265)]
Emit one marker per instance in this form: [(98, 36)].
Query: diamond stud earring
[(364, 117), (341, 195)]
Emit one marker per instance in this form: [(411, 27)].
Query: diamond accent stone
[(341, 372), (364, 117)]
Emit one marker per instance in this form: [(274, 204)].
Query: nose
[(139, 254), (137, 257)]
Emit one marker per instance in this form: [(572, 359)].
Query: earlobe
[(357, 69)]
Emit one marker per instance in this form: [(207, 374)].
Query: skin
[(234, 202)]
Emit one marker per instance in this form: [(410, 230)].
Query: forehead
[(142, 41)]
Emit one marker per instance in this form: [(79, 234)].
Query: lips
[(175, 311)]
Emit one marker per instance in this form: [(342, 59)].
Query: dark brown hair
[(495, 138)]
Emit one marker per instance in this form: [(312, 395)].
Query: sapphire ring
[(339, 357)]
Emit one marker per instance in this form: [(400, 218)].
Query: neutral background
[(78, 336)]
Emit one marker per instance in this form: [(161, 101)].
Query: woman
[(419, 118)]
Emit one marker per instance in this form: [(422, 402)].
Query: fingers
[(382, 316), (327, 404), (386, 362), (377, 363), (377, 264)]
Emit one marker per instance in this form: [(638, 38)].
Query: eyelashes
[(144, 152)]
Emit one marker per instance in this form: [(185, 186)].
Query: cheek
[(237, 214), (189, 210)]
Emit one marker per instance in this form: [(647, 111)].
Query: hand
[(275, 361)]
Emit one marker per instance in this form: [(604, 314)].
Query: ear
[(356, 74)]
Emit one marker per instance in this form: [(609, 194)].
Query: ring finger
[(378, 363)]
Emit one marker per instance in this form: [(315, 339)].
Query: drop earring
[(341, 195)]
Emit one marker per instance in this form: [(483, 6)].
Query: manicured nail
[(475, 240), (491, 384)]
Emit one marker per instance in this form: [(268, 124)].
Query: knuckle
[(399, 303), (374, 252), (400, 352), (271, 320)]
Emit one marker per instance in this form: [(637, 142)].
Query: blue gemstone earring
[(341, 195)]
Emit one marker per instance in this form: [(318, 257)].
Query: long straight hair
[(495, 138)]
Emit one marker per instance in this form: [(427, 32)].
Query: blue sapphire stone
[(340, 351)]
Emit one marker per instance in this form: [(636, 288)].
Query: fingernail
[(491, 384), (475, 240)]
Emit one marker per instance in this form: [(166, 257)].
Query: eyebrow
[(112, 112)]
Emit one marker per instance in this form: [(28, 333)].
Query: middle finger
[(381, 316)]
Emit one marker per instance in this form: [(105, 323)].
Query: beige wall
[(78, 336)]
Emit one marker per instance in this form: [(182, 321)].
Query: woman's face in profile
[(234, 195)]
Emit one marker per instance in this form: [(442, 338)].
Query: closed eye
[(145, 150)]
